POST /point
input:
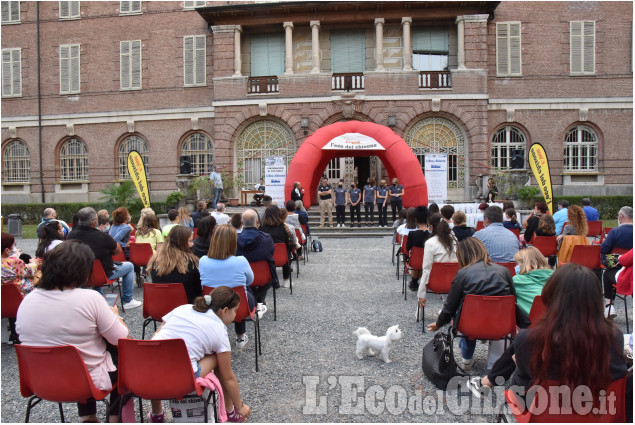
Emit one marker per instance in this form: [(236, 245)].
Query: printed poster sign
[(138, 175), (436, 172), (540, 166), (354, 141), (275, 178)]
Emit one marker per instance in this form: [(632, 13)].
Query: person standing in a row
[(325, 192), (382, 203), (396, 193), (340, 203), (369, 201), (354, 198)]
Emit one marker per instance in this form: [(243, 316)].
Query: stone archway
[(356, 138)]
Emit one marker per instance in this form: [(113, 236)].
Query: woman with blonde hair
[(144, 212), (221, 267), (149, 231), (185, 219), (174, 262), (532, 272)]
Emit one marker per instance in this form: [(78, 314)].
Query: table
[(244, 194)]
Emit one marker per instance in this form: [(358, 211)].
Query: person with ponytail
[(51, 235), (511, 220), (203, 328)]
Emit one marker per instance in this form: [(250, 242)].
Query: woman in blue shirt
[(382, 205), (396, 192), (354, 198), (369, 201), (340, 203)]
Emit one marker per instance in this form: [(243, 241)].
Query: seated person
[(532, 272), (460, 229), (258, 196), (510, 221)]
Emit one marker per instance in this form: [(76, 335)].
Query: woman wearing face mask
[(532, 272), (381, 193), (369, 201), (340, 204), (354, 198)]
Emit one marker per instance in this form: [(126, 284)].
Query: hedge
[(608, 206), (32, 213)]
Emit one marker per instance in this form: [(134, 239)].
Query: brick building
[(233, 82)]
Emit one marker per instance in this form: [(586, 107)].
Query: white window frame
[(127, 145), (200, 148), (506, 51), (72, 10), (500, 160), (127, 8), (10, 12), (191, 5), (198, 76), (71, 66), (587, 48), (76, 160), (11, 71), (129, 60), (580, 150), (16, 162)]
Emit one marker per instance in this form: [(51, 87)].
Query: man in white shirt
[(219, 214), (216, 180)]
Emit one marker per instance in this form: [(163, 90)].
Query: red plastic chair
[(121, 257), (304, 248), (538, 309), (594, 229), (395, 244), (98, 278), (195, 233), (11, 298), (619, 251), (587, 256), (488, 317), (281, 258), (479, 225), (414, 262), (542, 410), (140, 255), (262, 277), (442, 275), (547, 245), (158, 369), (403, 252), (56, 374), (509, 266), (309, 239), (515, 232), (158, 300)]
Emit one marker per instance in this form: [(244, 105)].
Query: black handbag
[(438, 362)]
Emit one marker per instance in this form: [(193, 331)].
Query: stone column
[(237, 61), (379, 43), (460, 33), (315, 46), (288, 47), (407, 44)]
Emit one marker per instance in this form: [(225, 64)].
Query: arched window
[(439, 135), (132, 143), (581, 149), (258, 141), (16, 162), (201, 152), (507, 140), (73, 161)]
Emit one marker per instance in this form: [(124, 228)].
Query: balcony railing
[(435, 80), (263, 85), (348, 82)]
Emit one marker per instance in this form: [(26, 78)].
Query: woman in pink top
[(61, 313)]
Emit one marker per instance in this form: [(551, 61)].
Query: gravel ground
[(308, 369)]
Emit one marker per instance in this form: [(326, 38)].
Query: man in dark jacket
[(255, 245)]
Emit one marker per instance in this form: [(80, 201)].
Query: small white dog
[(367, 342)]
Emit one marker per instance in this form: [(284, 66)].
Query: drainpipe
[(39, 98)]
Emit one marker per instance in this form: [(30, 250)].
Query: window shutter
[(200, 65), (7, 82), (16, 59), (515, 64), (348, 51), (135, 60), (75, 9), (6, 14), (75, 68), (15, 11), (64, 69), (188, 61), (124, 7), (502, 48), (267, 55), (275, 49), (64, 9), (125, 64), (575, 53), (430, 40), (589, 48), (135, 6)]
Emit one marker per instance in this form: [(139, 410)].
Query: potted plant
[(228, 190), (528, 194), (173, 199)]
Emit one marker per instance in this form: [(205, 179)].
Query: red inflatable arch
[(311, 160)]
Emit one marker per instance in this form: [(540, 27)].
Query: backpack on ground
[(317, 246)]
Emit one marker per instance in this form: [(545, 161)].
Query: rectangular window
[(194, 60), (129, 7), (11, 72), (508, 49), (267, 55), (582, 47), (10, 12), (430, 49), (69, 10), (69, 68), (253, 170), (130, 66), (188, 5), (348, 51)]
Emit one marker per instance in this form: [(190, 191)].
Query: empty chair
[(547, 245), (586, 255), (11, 299), (140, 255), (281, 258), (595, 229), (396, 244), (158, 300)]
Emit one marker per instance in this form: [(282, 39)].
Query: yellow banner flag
[(138, 174), (540, 166)]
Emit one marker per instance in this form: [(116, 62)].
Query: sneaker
[(152, 418), (474, 385), (241, 342), (234, 416), (262, 309), (467, 364), (609, 311), (132, 304), (286, 283)]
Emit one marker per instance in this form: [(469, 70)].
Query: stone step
[(329, 234)]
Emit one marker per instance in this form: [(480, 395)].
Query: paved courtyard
[(308, 369)]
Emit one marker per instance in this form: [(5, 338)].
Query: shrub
[(608, 206)]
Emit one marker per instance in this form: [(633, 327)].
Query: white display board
[(275, 178), (436, 171)]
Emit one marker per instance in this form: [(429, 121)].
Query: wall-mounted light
[(304, 123), (392, 121)]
